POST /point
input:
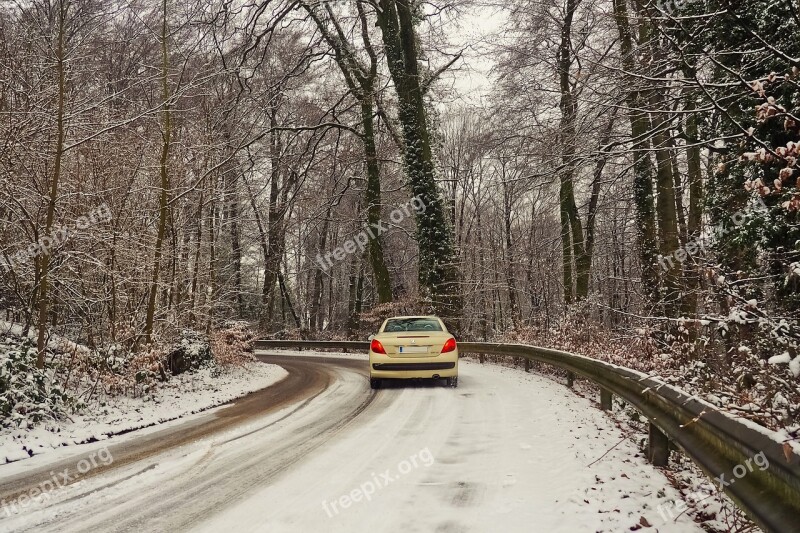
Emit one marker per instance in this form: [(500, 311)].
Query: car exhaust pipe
[(436, 376)]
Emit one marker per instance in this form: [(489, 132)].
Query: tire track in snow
[(202, 479)]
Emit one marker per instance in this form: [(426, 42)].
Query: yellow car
[(413, 347)]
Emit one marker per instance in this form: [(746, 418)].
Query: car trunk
[(413, 344)]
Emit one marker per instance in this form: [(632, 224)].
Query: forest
[(617, 178)]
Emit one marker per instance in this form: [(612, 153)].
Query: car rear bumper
[(383, 367), (412, 367)]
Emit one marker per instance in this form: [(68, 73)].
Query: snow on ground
[(181, 396), (14, 329), (700, 498), (505, 451)]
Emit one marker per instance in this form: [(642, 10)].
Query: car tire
[(375, 383), (452, 382)]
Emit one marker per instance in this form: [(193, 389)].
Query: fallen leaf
[(788, 452)]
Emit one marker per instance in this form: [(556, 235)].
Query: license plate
[(413, 349)]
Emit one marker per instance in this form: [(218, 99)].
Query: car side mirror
[(370, 338)]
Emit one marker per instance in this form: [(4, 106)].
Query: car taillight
[(449, 346), (377, 347)]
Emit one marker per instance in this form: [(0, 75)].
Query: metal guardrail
[(723, 446)]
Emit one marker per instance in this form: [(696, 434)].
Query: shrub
[(193, 352), (28, 395)]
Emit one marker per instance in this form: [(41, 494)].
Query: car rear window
[(397, 325)]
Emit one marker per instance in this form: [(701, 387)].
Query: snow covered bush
[(28, 395), (193, 352), (77, 378)]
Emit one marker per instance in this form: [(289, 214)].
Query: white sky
[(470, 77)]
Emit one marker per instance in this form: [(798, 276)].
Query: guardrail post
[(527, 365), (570, 379), (605, 400), (657, 446)]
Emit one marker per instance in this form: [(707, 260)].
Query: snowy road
[(506, 451)]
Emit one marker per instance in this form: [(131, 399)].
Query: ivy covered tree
[(742, 66), (438, 273)]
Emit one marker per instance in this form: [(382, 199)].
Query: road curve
[(321, 451), (305, 379)]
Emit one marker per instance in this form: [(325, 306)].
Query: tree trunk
[(236, 247), (667, 221), (696, 202), (316, 295), (383, 283), (572, 229), (288, 300), (274, 222), (594, 199), (438, 275), (164, 172), (352, 301), (198, 248), (509, 242), (642, 165), (666, 203), (44, 257), (566, 251)]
